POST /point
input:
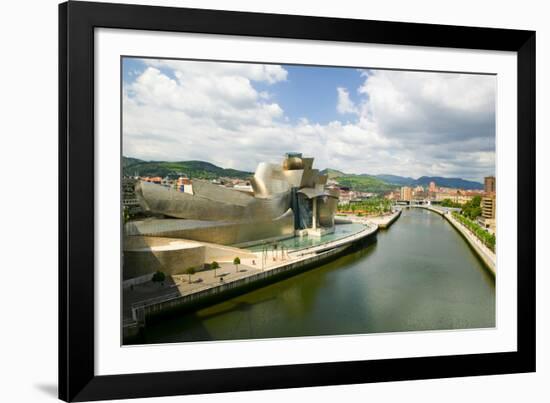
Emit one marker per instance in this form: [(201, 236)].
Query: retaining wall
[(391, 221), (489, 261), (145, 255), (142, 314)]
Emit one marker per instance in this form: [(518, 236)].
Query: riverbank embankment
[(381, 221), (230, 281), (487, 256)]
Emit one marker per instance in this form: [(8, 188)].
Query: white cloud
[(405, 123), (269, 73), (430, 107), (345, 104)]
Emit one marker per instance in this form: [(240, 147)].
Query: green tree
[(375, 205), (214, 265), (237, 262), (450, 203), (472, 208), (190, 271), (484, 236), (158, 277), (125, 214)]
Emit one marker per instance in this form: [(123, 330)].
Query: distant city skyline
[(235, 115)]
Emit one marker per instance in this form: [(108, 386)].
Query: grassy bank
[(481, 233)]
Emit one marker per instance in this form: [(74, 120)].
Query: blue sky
[(359, 121), (309, 91)]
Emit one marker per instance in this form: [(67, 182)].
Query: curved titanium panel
[(326, 207), (223, 233), (207, 190), (212, 205)]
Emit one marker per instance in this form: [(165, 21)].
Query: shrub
[(159, 276)]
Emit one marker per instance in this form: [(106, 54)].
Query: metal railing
[(151, 301)]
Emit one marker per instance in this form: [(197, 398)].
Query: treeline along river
[(420, 275)]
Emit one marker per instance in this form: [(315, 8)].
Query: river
[(419, 275)]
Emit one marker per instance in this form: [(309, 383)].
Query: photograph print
[(277, 201)]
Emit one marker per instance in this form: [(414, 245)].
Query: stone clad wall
[(174, 261), (225, 254), (146, 255)]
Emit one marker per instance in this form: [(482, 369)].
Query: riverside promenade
[(381, 221), (486, 255), (179, 292), (385, 221)]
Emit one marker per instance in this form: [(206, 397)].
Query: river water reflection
[(420, 275)]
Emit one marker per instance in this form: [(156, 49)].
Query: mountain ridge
[(193, 169), (440, 181), (361, 182), (397, 180)]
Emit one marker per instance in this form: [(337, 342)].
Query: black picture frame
[(77, 21)]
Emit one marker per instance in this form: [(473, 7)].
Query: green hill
[(384, 183), (364, 183), (425, 181), (127, 161), (396, 180), (360, 183), (332, 173), (448, 182), (191, 169), (206, 170)]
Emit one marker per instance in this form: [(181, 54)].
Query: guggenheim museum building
[(286, 199)]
